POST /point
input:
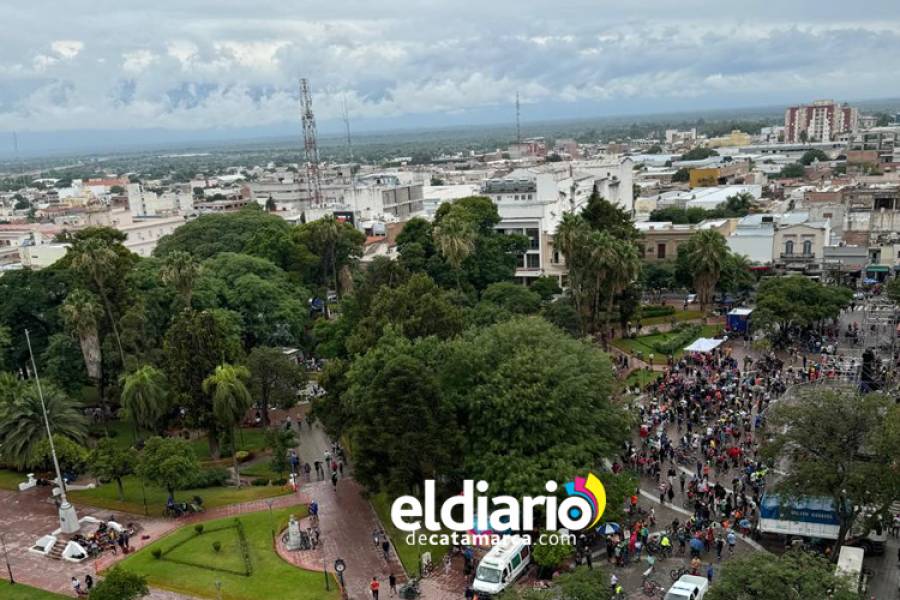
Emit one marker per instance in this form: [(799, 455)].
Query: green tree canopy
[(109, 461), (274, 379), (516, 298), (797, 300), (145, 398), (792, 171), (336, 244), (682, 175), (119, 584), (699, 153), (168, 462), (764, 576), (810, 156)]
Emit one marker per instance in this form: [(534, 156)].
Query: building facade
[(821, 121)]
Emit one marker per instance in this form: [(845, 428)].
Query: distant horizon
[(87, 142)]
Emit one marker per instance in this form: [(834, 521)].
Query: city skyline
[(201, 66)]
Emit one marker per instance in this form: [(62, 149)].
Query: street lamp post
[(271, 517), (68, 518), (6, 558)]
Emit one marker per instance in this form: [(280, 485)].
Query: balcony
[(797, 257)]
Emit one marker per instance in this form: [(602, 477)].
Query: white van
[(689, 587), (501, 566)]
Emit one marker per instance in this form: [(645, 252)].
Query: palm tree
[(145, 397), (707, 252), (11, 387), (620, 266), (571, 239), (81, 313), (180, 270), (231, 401), (96, 259), (22, 425), (455, 238)]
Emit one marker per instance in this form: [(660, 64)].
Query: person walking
[(732, 540), (373, 587), (88, 582), (720, 544), (392, 584), (386, 548), (709, 572), (334, 480)]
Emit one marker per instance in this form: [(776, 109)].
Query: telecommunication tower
[(310, 145), (345, 115)]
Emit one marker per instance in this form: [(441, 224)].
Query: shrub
[(205, 478), (198, 528), (656, 310), (678, 340), (259, 481), (281, 481), (217, 545), (243, 456), (157, 553)]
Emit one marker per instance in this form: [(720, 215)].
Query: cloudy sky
[(226, 64)]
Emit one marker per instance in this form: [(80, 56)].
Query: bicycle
[(649, 587), (676, 574)]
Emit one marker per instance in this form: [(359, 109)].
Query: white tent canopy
[(704, 345)]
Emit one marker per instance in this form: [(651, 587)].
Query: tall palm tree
[(22, 423), (145, 397), (96, 259), (571, 239), (231, 401), (180, 271), (455, 239), (620, 266), (11, 387), (81, 312), (707, 252)]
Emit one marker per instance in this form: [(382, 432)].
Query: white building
[(145, 203)]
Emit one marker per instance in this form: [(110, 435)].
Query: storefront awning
[(878, 269)]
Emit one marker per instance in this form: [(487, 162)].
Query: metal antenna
[(518, 125), (345, 114), (310, 145)]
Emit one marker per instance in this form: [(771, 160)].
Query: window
[(534, 261), (807, 248), (520, 261), (516, 561), (556, 257), (534, 238), (660, 251), (789, 247)]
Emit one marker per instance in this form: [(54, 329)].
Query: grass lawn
[(20, 591), (271, 578), (409, 555), (640, 377), (10, 480), (107, 496), (262, 470), (678, 315), (644, 344)]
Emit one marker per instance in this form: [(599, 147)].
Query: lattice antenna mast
[(310, 145), (345, 114), (518, 124)]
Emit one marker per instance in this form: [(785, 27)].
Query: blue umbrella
[(697, 544), (744, 524), (609, 528)]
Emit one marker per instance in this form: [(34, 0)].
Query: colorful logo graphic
[(590, 489)]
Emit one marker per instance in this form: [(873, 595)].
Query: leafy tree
[(515, 298), (811, 156), (842, 446), (109, 461), (145, 398), (231, 400), (511, 385), (563, 315), (180, 270), (280, 441), (546, 287), (550, 556), (892, 290), (699, 153), (336, 243), (63, 363), (736, 276), (274, 379), (792, 171), (797, 301), (654, 149), (195, 344), (119, 584), (764, 576), (273, 310), (682, 175), (658, 276), (584, 584), (22, 422), (72, 456), (707, 252), (168, 463), (604, 216), (455, 239), (98, 256), (418, 308)]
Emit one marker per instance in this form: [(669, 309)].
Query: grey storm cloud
[(200, 63)]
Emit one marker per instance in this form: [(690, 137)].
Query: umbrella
[(697, 544), (609, 528), (744, 524)]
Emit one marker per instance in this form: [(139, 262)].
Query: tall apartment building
[(821, 121)]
